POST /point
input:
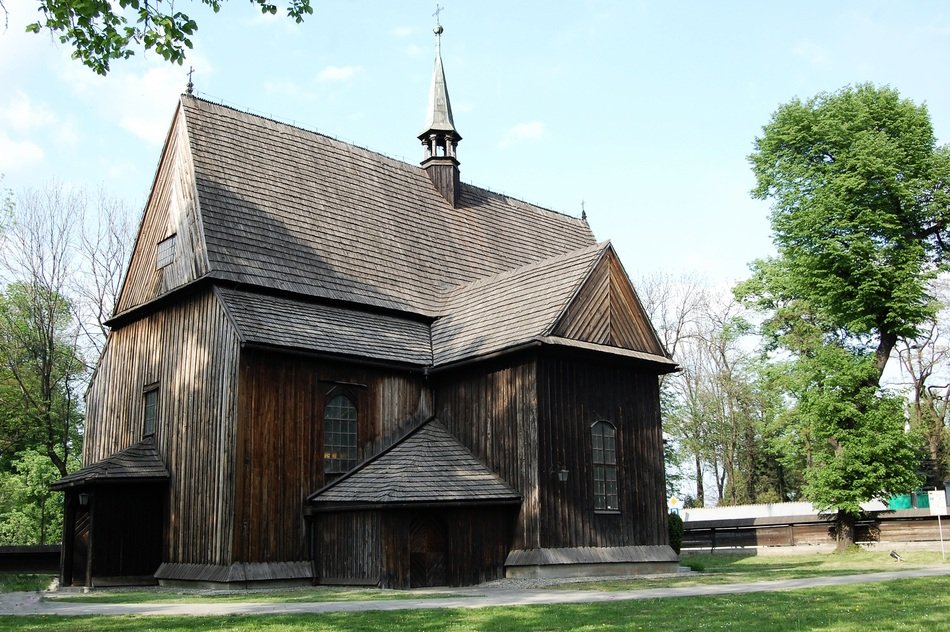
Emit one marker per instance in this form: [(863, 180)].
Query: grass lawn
[(905, 605), (24, 582), (714, 569), (734, 569)]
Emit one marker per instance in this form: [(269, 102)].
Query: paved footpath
[(476, 597)]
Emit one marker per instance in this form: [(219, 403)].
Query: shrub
[(676, 532)]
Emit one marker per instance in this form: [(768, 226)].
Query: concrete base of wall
[(236, 576), (591, 570), (591, 561), (232, 586)]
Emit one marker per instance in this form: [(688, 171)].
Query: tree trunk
[(700, 490), (844, 530)]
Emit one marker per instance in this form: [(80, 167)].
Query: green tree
[(29, 512), (859, 192), (100, 31), (41, 375)]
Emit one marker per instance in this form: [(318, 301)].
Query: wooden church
[(329, 366)]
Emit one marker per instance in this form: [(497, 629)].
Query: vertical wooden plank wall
[(171, 209), (349, 548), (607, 311), (494, 414), (575, 392), (191, 352), (478, 541), (280, 440)]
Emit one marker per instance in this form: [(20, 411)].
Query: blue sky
[(645, 111)]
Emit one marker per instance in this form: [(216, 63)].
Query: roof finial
[(583, 211), (191, 86), (438, 25)]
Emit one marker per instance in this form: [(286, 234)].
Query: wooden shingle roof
[(509, 308), (293, 210), (137, 463), (295, 324), (428, 466)]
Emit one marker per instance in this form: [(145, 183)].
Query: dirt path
[(477, 597)]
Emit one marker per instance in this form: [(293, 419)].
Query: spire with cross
[(439, 137)]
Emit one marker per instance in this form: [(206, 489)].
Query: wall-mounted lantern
[(562, 474), (83, 499)]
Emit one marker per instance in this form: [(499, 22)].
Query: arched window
[(339, 435), (604, 448)]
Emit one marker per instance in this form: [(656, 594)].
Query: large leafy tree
[(41, 375), (859, 191), (100, 31), (59, 275)]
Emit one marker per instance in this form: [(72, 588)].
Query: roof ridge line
[(294, 125), (219, 102)]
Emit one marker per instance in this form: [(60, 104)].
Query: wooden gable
[(169, 249), (607, 311)]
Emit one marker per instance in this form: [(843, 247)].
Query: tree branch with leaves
[(100, 31)]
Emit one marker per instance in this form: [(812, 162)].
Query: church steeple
[(440, 138)]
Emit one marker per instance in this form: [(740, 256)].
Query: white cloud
[(810, 52), (67, 133), (530, 131), (338, 73), (16, 155), (287, 89), (21, 114), (139, 95), (414, 50), (404, 31)]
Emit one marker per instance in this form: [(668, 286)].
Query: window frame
[(165, 251), (605, 470), (340, 428), (149, 423)]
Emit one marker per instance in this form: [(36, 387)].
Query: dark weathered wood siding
[(171, 210), (494, 412), (190, 352), (348, 548), (530, 418), (376, 548), (574, 392), (280, 445)]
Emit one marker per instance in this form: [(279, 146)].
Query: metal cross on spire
[(190, 86), (438, 9)]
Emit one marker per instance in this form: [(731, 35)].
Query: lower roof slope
[(304, 325), (138, 463), (510, 308), (427, 466)]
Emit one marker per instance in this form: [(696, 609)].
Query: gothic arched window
[(604, 448), (339, 435)]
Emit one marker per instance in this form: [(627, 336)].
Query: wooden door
[(427, 553)]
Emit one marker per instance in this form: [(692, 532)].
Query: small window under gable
[(604, 453), (166, 251), (150, 413), (339, 435)]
